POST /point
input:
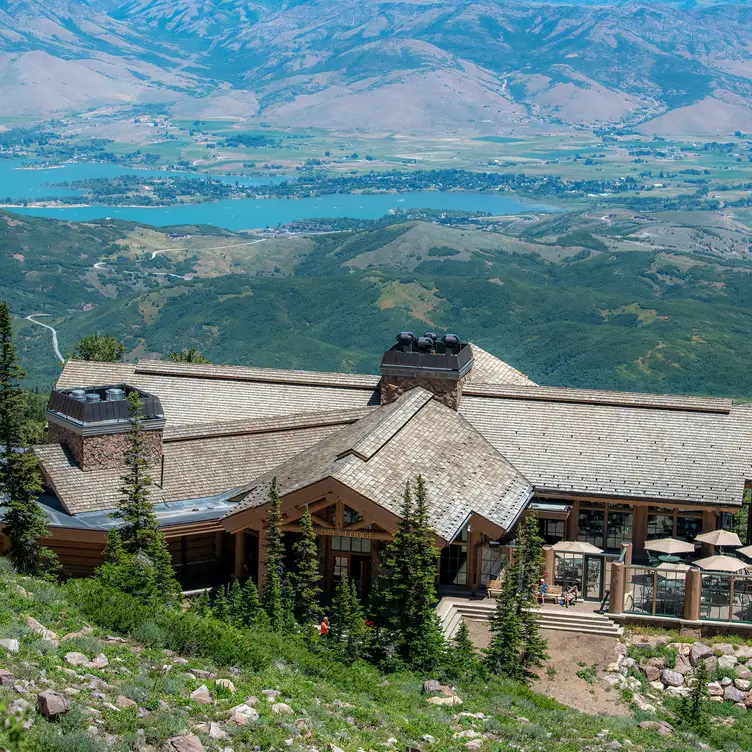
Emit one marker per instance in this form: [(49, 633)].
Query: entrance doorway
[(593, 584), (355, 567)]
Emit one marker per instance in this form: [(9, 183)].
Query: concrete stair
[(452, 610)]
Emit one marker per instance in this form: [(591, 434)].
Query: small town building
[(603, 467)]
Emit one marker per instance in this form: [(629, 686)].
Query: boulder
[(6, 678), (662, 727), (621, 648), (743, 672), (699, 652), (678, 691), (748, 701), (711, 664), (683, 666), (76, 659), (187, 743), (474, 744), (467, 734), (99, 662), (201, 674), (125, 702), (270, 694), (42, 631), (653, 673), (12, 646), (227, 684), (52, 704), (202, 696), (242, 715), (723, 648), (657, 686), (732, 694), (658, 662), (715, 689), (726, 681), (613, 680), (642, 704), (431, 685), (743, 652), (743, 684), (727, 661), (672, 678), (444, 700), (217, 732), (281, 708)]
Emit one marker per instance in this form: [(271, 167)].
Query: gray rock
[(672, 678), (683, 666), (227, 684), (217, 732), (621, 649), (42, 631), (711, 664), (52, 704), (242, 715), (726, 681), (428, 739), (200, 674), (715, 689), (653, 673), (281, 708), (658, 662), (431, 685), (188, 743), (613, 680), (743, 684), (743, 672), (663, 728), (12, 646), (202, 696), (444, 700), (732, 694), (723, 648), (678, 691), (99, 662), (125, 702), (76, 659), (642, 703), (699, 652), (744, 652), (727, 661), (6, 678)]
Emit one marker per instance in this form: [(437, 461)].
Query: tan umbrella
[(747, 551), (720, 564), (576, 547), (670, 567), (720, 538), (670, 546)]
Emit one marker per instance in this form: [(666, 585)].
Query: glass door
[(593, 585)]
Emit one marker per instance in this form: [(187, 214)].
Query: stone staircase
[(452, 610)]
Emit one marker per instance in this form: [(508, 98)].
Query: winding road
[(55, 343)]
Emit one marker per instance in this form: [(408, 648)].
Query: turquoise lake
[(244, 214)]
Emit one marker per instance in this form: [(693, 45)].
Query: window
[(493, 558), (688, 528), (660, 523), (356, 545), (351, 516), (453, 565), (551, 531), (591, 526), (340, 568), (619, 527)]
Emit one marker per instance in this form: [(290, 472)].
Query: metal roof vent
[(115, 394)]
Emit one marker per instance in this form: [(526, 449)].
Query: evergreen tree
[(236, 605), (502, 655), (272, 596), (517, 646), (289, 622), (305, 579), (201, 605), (349, 633), (103, 348), (137, 548), (407, 616), (462, 657), (254, 615), (692, 712), (24, 522), (221, 606)]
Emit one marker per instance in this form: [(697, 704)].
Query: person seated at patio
[(569, 598), (542, 590)]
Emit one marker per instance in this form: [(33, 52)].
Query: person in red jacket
[(324, 627)]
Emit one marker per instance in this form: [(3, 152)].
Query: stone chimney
[(438, 365), (93, 423)]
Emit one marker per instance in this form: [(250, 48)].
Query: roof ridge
[(407, 406), (248, 373), (190, 431), (574, 395)]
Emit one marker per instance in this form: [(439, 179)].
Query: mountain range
[(419, 66)]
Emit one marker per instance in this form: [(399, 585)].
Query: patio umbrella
[(720, 538), (668, 567), (576, 547), (670, 546), (747, 551), (720, 564)]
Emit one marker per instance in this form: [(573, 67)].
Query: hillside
[(433, 67), (568, 299), (132, 677)]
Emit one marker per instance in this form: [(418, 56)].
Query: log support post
[(692, 594), (616, 597), (239, 553), (549, 563)]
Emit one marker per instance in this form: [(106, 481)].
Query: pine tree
[(137, 557), (289, 622), (692, 711), (462, 657), (349, 633), (272, 595), (254, 615), (305, 579), (24, 522), (103, 348), (221, 606), (236, 604), (502, 655), (201, 605), (407, 617)]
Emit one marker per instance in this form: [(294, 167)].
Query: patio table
[(669, 559)]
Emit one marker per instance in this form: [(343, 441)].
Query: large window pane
[(591, 527), (660, 523), (552, 531), (453, 565), (688, 528), (619, 529)]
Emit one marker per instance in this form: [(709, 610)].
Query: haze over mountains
[(424, 66)]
